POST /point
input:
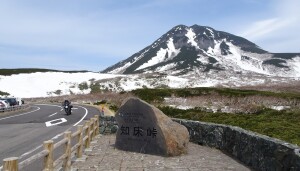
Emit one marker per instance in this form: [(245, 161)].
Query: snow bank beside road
[(43, 84)]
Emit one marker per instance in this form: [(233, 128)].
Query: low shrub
[(4, 93), (283, 125)]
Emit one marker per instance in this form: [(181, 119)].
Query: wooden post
[(10, 164), (97, 124), (67, 163), (91, 128), (80, 148), (48, 159), (87, 132)]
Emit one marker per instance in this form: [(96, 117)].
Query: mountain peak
[(199, 26), (186, 50), (182, 26)]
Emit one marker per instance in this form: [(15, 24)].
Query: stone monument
[(145, 129)]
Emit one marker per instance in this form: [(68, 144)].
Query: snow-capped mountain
[(198, 50), (193, 56)]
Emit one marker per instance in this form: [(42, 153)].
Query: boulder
[(145, 129)]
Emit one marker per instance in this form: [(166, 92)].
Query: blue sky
[(94, 34)]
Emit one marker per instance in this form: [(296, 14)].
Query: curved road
[(22, 134)]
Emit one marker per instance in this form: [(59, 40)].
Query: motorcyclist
[(67, 103)]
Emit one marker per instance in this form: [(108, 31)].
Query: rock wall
[(256, 151), (108, 125)]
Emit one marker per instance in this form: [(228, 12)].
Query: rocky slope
[(202, 51)]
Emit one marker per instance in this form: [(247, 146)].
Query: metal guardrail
[(13, 108), (85, 134)]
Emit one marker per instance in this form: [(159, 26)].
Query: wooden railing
[(85, 134)]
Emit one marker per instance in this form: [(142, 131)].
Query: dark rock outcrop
[(144, 128)]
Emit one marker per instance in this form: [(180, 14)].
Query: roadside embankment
[(255, 150)]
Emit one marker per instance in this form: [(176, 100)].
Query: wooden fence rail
[(84, 135)]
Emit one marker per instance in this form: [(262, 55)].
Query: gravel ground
[(104, 156)]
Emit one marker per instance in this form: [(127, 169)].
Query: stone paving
[(103, 156)]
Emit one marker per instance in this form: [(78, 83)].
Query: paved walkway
[(104, 156)]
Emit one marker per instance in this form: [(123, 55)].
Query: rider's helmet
[(67, 102)]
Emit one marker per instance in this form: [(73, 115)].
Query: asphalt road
[(22, 134)]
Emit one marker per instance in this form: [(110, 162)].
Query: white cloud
[(261, 29), (279, 32)]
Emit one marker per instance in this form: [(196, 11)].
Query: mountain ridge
[(183, 50)]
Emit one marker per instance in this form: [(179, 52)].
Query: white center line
[(52, 114)]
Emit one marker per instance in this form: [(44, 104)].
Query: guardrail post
[(91, 128), (10, 164), (80, 147), (67, 163), (97, 124), (48, 160), (95, 127), (87, 132)]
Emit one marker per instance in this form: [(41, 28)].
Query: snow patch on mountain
[(191, 37), (178, 28), (121, 69), (215, 51), (172, 51), (211, 32), (203, 59), (248, 65), (166, 67), (162, 55), (295, 63), (177, 82)]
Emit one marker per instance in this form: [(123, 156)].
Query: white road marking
[(86, 112), (52, 114), (21, 113), (58, 135), (25, 154), (40, 146), (52, 105), (49, 123), (74, 108), (49, 105)]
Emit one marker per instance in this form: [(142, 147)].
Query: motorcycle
[(67, 107)]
